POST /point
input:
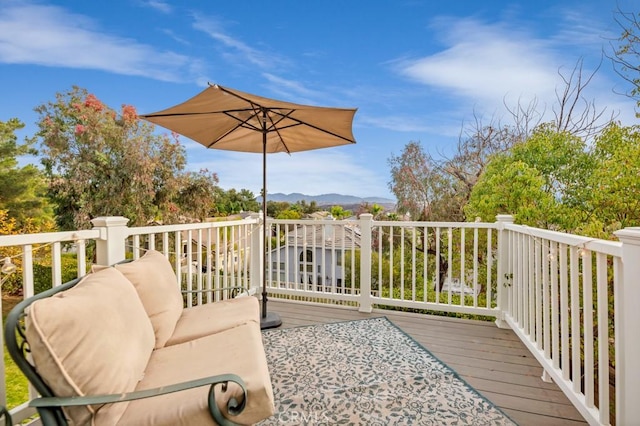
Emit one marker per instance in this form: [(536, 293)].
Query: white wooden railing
[(561, 294)]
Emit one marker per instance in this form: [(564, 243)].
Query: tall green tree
[(613, 189), (196, 193), (102, 162), (232, 202), (438, 190), (23, 189), (414, 181), (540, 181)]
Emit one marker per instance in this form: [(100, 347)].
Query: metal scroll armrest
[(4, 413), (234, 407)]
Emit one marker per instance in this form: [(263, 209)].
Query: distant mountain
[(327, 199)]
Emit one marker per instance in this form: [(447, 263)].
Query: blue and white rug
[(367, 372)]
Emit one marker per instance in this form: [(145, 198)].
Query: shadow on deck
[(492, 360)]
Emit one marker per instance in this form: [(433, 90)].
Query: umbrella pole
[(267, 319)]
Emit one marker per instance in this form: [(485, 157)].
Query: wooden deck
[(492, 360)]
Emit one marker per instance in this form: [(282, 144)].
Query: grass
[(17, 389), (17, 384)]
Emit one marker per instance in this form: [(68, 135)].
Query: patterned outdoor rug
[(367, 372)]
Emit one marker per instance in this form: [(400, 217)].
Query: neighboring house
[(313, 255), (229, 246)]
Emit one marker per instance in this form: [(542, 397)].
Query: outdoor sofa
[(117, 347)]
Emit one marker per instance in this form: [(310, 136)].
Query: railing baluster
[(425, 258), (587, 311), (475, 267), (489, 291), (564, 312), (81, 263), (209, 261), (463, 281), (603, 336), (414, 264), (450, 260), (56, 264), (536, 294), (437, 283), (200, 283), (402, 262), (27, 271), (555, 304), (391, 262), (576, 363), (545, 308)]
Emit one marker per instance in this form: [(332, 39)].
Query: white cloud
[(396, 123), (291, 90), (234, 49), (486, 63), (487, 66), (160, 6), (53, 36)]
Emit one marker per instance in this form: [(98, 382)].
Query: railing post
[(256, 269), (366, 226), (504, 253), (110, 247), (627, 338)]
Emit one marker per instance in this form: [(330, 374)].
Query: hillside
[(329, 199)]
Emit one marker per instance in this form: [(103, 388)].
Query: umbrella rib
[(304, 123), (287, 116), (241, 122)]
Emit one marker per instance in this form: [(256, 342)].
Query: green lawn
[(17, 392)]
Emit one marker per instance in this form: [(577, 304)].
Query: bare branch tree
[(625, 54), (573, 113)]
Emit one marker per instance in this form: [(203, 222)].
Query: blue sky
[(416, 70)]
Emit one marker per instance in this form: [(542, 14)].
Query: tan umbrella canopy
[(223, 118)]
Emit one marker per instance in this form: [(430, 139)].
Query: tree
[(274, 208), (196, 193), (339, 212), (540, 181), (438, 190), (414, 181), (233, 202), (22, 193), (304, 208), (100, 162), (613, 189), (626, 53), (374, 209), (289, 214)]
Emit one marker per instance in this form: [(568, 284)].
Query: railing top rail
[(406, 224), (158, 229), (480, 225), (48, 237), (312, 221), (612, 248)]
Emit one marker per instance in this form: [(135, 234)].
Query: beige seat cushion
[(237, 351), (203, 320), (94, 338), (157, 286)]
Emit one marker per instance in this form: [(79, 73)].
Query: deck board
[(492, 360)]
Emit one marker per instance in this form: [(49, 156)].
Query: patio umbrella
[(223, 118)]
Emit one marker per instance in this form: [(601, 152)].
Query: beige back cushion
[(157, 286), (94, 338)]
